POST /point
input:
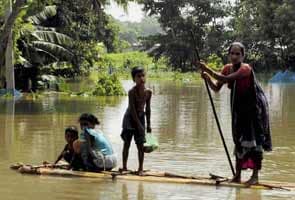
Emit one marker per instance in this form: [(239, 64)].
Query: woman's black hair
[(89, 118), (72, 131), (240, 45), (136, 70)]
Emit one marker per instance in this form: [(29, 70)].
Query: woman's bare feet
[(236, 179), (252, 181), (254, 178)]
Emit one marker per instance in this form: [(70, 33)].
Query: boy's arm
[(61, 155), (133, 111), (59, 158), (148, 111)]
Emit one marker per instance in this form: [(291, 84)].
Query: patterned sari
[(250, 124)]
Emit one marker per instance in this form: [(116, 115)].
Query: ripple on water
[(183, 122)]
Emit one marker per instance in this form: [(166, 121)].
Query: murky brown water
[(182, 120)]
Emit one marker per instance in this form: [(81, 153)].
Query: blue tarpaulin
[(283, 77), (11, 92)]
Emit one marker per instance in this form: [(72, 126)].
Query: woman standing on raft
[(249, 108)]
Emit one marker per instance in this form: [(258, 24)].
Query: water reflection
[(141, 194), (246, 194), (124, 192), (182, 120), (7, 133), (57, 103)]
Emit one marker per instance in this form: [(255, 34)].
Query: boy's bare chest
[(140, 99)]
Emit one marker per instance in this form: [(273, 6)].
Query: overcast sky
[(135, 14)]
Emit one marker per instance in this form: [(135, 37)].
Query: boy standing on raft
[(250, 118), (134, 119)]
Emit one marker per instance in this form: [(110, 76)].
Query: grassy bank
[(188, 77)]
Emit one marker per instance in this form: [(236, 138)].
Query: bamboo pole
[(214, 112)]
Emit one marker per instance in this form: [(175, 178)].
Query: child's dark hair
[(89, 118), (240, 45), (72, 131), (136, 70)]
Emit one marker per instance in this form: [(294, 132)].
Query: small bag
[(151, 143)]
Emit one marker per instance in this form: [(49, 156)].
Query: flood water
[(32, 131)]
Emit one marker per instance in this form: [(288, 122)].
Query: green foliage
[(123, 46), (88, 24), (3, 6), (84, 21), (266, 27), (44, 47), (215, 62), (63, 85), (103, 85), (38, 7), (89, 53), (179, 19), (52, 37), (108, 85), (20, 27), (36, 46), (33, 96), (41, 45), (60, 69), (8, 95), (161, 64), (49, 32), (70, 38), (123, 62), (44, 15), (111, 37)]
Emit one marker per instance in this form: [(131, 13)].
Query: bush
[(123, 62), (108, 85), (215, 62)]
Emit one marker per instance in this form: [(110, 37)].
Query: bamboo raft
[(149, 176)]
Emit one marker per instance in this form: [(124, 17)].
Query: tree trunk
[(10, 83), (7, 30)]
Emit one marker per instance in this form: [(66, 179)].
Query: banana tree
[(42, 46), (6, 41)]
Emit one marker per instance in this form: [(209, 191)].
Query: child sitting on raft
[(94, 149), (71, 134)]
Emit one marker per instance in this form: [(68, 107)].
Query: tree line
[(265, 27), (67, 37)]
